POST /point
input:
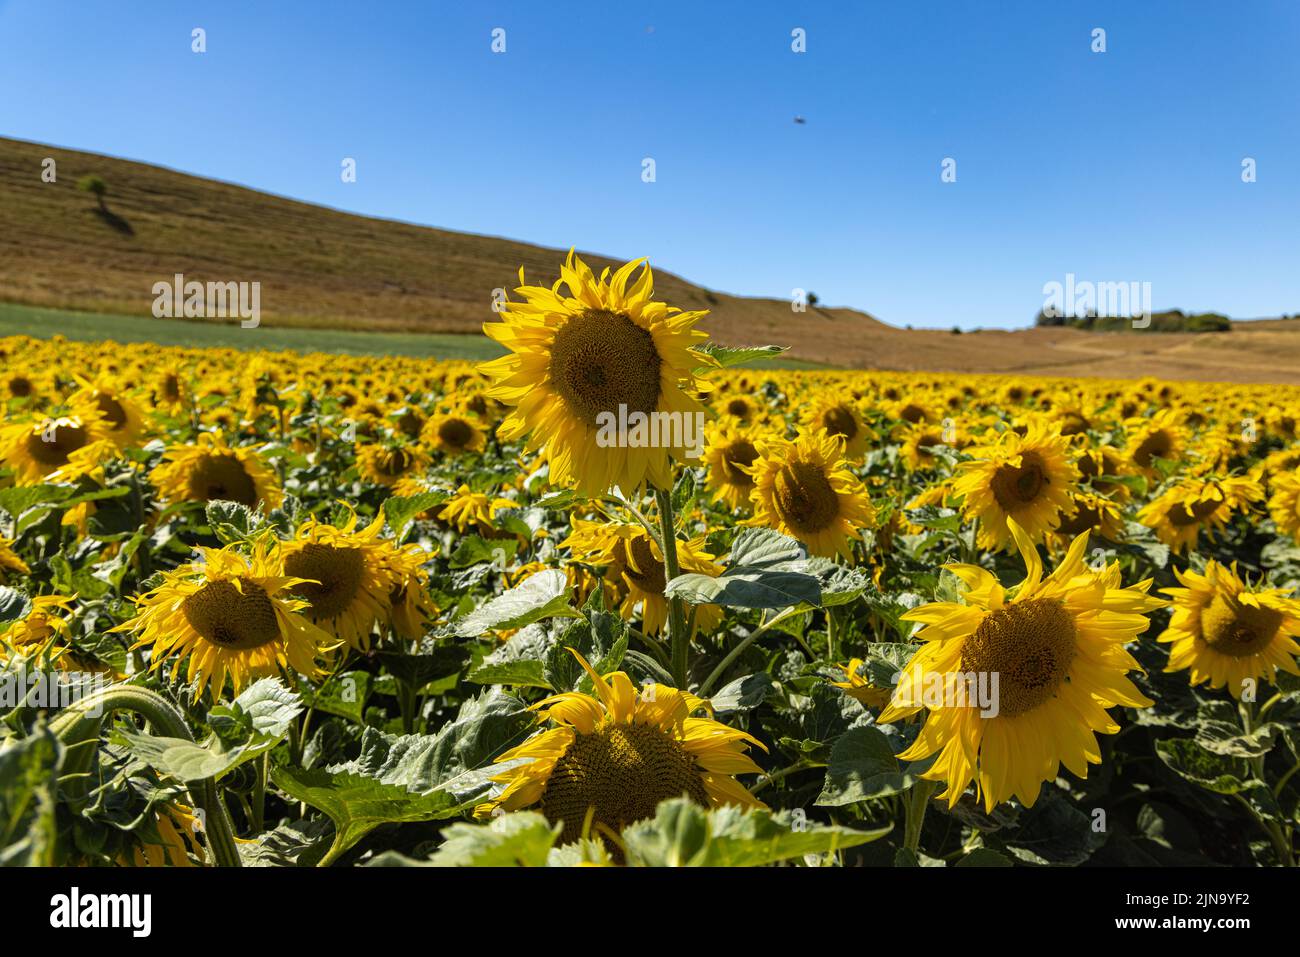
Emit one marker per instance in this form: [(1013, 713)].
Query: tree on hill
[(96, 186)]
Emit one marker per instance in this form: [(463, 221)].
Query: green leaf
[(747, 588), (251, 725), (418, 670), (401, 510), (230, 521), (985, 857), (29, 783), (683, 834), (13, 604), (523, 839), (1219, 773), (412, 777), (726, 357), (358, 804), (344, 695), (742, 695), (523, 673), (543, 595), (862, 766)]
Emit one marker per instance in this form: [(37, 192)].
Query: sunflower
[(609, 761), (12, 566), (174, 842), (841, 418), (35, 450), (41, 632), (919, 443), (1284, 504), (385, 464), (806, 490), (1057, 650), (738, 409), (575, 360), (468, 510), (728, 454), (454, 433), (346, 576), (1159, 437), (229, 615), (212, 470), (1028, 479), (859, 688), (123, 416), (1228, 633), (1091, 513), (1180, 513), (634, 565)]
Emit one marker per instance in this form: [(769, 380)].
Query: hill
[(326, 269)]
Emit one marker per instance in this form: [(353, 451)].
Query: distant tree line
[(1173, 320)]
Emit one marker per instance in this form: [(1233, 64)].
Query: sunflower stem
[(679, 637), (918, 802), (259, 794), (81, 721)]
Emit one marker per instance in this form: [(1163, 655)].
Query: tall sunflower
[(608, 761), (391, 464), (229, 615), (728, 454), (832, 413), (634, 566), (1227, 632), (454, 432), (575, 358), (37, 449), (1025, 479), (345, 576), (210, 469), (1284, 504), (1186, 508), (806, 490), (1057, 647)]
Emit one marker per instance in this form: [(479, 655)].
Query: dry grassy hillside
[(328, 269)]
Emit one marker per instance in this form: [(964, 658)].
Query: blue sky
[(1115, 166)]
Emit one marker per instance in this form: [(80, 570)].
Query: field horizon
[(334, 277)]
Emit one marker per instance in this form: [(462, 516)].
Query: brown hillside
[(324, 268)]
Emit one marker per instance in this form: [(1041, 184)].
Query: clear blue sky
[(1117, 166)]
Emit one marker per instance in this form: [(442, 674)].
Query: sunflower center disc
[(601, 360), (1182, 516), (623, 771), (649, 571), (1238, 630), (20, 386), (1017, 486), (839, 421), (233, 618), (66, 440), (738, 453), (456, 433), (394, 462), (739, 408), (911, 413), (1030, 645), (112, 410), (223, 477), (338, 570), (1084, 519), (804, 497), (1156, 445)]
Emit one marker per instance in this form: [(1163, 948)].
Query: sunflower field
[(273, 609)]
